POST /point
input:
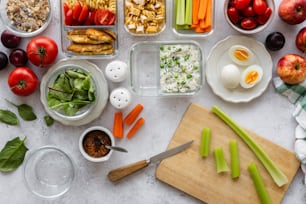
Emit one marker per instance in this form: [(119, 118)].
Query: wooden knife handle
[(121, 172)]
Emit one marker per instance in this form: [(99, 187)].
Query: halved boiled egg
[(241, 55), (230, 76), (251, 76)]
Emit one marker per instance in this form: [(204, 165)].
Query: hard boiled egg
[(251, 76), (230, 76), (241, 55)]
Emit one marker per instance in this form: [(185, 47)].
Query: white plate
[(218, 58)]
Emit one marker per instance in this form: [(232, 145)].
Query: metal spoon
[(120, 149)]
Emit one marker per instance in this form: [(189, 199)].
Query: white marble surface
[(268, 115)]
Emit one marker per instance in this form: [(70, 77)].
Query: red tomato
[(111, 18), (259, 6), (76, 10), (248, 23), (241, 4), (42, 51), (262, 19), (65, 8), (248, 11), (233, 15), (68, 18), (101, 17), (84, 14), (90, 19), (22, 81)]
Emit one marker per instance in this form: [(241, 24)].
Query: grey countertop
[(269, 115)]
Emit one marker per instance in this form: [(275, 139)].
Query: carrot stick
[(139, 123), (208, 21), (118, 125), (133, 114), (202, 9), (195, 10)]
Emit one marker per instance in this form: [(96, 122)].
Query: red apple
[(291, 68), (292, 11), (300, 40)]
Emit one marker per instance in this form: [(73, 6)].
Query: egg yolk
[(241, 54), (251, 77)]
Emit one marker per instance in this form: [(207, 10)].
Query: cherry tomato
[(248, 23), (262, 19), (76, 10), (241, 4), (42, 51), (22, 81), (233, 15), (111, 18), (83, 14), (68, 18), (259, 6), (248, 11), (101, 17), (65, 8)]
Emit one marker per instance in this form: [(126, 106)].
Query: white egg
[(241, 55), (251, 76), (230, 76)]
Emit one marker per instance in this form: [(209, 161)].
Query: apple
[(292, 11), (300, 40), (291, 68)]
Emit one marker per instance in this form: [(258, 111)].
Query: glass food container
[(144, 18), (89, 28), (173, 68), (192, 28)]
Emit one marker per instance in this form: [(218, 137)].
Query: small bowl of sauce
[(92, 144)]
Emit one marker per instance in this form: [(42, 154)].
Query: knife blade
[(121, 172)]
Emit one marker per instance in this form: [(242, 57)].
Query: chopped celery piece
[(188, 12), (221, 164), (278, 176), (205, 142), (235, 163), (261, 190), (180, 12)]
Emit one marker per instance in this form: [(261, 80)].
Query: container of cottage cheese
[(172, 68)]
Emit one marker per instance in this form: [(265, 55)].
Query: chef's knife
[(121, 172)]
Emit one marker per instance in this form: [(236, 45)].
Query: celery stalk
[(205, 142), (278, 176), (188, 12), (261, 189), (180, 12), (235, 163), (221, 164)]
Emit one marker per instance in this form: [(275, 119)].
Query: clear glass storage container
[(144, 18), (173, 68), (185, 30), (91, 32)]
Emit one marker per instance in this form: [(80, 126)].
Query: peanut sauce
[(92, 143)]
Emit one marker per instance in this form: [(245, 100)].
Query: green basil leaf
[(12, 155), (8, 117), (26, 112), (48, 120)]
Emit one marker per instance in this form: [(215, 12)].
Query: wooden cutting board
[(197, 176)]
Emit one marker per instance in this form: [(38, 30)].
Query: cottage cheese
[(180, 69)]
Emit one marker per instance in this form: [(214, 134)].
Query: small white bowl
[(259, 28), (18, 30), (99, 130)]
